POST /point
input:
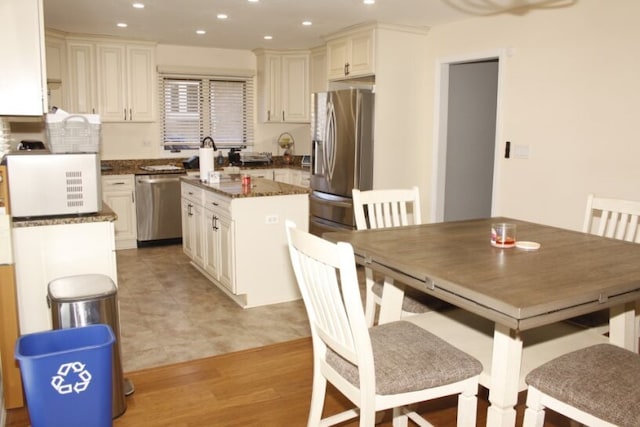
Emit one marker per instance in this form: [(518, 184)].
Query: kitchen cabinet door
[(318, 71), (82, 77), (352, 55), (125, 82), (192, 231), (283, 86), (118, 192), (23, 79), (227, 266), (219, 253), (295, 88)]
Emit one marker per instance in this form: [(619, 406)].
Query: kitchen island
[(234, 234)]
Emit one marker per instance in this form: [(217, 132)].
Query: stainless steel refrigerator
[(341, 156)]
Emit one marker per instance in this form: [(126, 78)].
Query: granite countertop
[(134, 167), (231, 186), (106, 214)]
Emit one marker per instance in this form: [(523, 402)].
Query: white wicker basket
[(74, 134)]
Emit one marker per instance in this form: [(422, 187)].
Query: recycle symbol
[(77, 368)]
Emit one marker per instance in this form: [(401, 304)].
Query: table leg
[(505, 374), (622, 326), (391, 307)]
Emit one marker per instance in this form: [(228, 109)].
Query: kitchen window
[(194, 107)]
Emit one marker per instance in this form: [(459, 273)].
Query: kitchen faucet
[(205, 143)]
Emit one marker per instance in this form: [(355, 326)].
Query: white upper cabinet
[(351, 55), (22, 74), (82, 78), (283, 86), (115, 80), (125, 82), (318, 70)]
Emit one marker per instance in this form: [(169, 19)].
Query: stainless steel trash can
[(87, 300)]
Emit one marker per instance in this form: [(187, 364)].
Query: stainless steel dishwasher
[(158, 209)]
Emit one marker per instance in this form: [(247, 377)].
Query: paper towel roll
[(206, 163)]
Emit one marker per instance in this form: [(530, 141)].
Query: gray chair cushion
[(602, 380), (408, 358), (414, 301)]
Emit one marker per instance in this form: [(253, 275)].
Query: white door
[(466, 139)]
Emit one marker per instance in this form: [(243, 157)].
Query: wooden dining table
[(510, 303)]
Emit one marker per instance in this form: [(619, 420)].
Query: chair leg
[(467, 409), (318, 393), (400, 418), (534, 414)]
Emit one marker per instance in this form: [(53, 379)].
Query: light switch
[(519, 151)]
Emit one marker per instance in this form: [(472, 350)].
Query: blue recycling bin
[(66, 374)]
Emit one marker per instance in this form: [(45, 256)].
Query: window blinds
[(195, 107)]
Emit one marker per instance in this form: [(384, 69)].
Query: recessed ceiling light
[(307, 23), (368, 1), (201, 32), (122, 25), (222, 16), (268, 37), (253, 1), (138, 5)]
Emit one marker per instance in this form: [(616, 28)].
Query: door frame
[(440, 121)]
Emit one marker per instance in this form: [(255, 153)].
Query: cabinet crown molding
[(179, 70), (353, 29)]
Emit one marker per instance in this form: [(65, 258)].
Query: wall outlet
[(271, 219)]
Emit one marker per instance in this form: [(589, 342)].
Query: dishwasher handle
[(147, 179)]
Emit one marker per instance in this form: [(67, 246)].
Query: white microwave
[(48, 184)]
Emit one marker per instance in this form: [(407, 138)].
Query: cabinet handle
[(268, 115), (130, 114), (214, 203), (125, 113), (346, 69), (133, 197), (283, 115), (189, 206)]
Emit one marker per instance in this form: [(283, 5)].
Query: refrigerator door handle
[(329, 152)]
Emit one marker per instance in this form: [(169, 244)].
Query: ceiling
[(175, 21)]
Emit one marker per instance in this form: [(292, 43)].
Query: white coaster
[(530, 246)]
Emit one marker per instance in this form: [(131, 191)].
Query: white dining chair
[(616, 219), (411, 364), (595, 386), (383, 209)]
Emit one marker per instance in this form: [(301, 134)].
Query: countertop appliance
[(158, 216), (48, 184), (341, 156)]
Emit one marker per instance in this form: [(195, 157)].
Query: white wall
[(570, 92)]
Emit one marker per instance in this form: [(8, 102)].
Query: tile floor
[(170, 313)]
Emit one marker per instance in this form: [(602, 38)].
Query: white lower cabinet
[(118, 192), (219, 259), (48, 252), (192, 223)]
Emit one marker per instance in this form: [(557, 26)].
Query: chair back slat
[(613, 218), (386, 208), (327, 279)]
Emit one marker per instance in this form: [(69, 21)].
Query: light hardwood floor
[(267, 386)]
